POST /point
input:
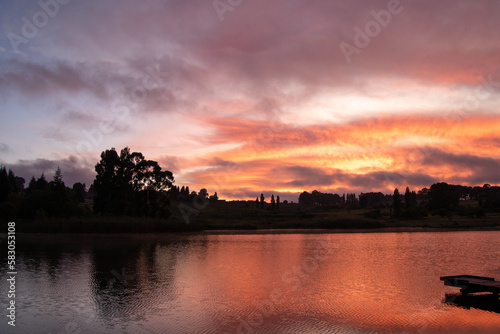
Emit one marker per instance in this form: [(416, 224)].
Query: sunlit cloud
[(359, 156)]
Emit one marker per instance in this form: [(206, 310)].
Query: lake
[(250, 283)]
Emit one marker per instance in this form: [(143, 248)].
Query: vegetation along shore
[(133, 195)]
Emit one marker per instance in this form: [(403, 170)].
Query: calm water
[(265, 283)]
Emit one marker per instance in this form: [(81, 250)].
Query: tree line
[(126, 184), (440, 198), (273, 206), (41, 199)]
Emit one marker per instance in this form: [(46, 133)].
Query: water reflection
[(266, 283), (131, 278), (487, 302)]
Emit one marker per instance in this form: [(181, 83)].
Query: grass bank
[(242, 215)]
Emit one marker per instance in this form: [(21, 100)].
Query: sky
[(245, 97)]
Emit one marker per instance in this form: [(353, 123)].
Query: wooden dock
[(472, 284)]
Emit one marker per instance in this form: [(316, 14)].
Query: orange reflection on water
[(384, 281)]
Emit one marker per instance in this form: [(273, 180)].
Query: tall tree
[(127, 183), (79, 191), (13, 187), (407, 197), (31, 185), (397, 203), (41, 183), (443, 196), (57, 183)]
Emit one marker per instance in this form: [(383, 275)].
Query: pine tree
[(41, 183), (58, 178), (407, 197), (57, 183), (31, 185)]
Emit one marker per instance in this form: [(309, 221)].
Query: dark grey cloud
[(218, 162), (171, 163), (482, 169), (73, 169), (37, 80), (317, 178)]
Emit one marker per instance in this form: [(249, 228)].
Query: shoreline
[(266, 231), (341, 231)]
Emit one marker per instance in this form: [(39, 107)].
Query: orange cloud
[(377, 154)]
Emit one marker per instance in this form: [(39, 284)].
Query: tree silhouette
[(31, 185), (57, 183), (273, 203), (129, 184), (443, 196), (41, 183), (79, 191), (397, 203), (4, 185), (203, 193), (278, 203), (262, 201), (410, 198), (214, 197), (319, 198), (372, 199)]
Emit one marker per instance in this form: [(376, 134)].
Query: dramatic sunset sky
[(250, 96)]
